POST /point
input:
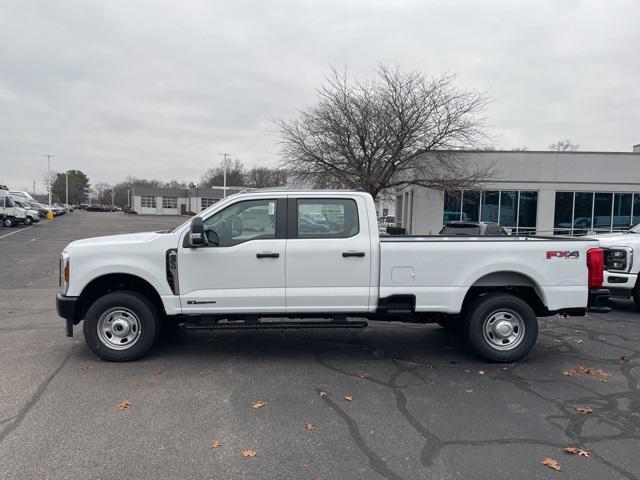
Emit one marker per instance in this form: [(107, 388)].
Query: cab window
[(242, 222), (327, 218)]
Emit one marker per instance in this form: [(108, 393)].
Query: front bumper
[(619, 280), (67, 308), (598, 300)]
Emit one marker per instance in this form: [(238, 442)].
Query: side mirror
[(196, 233)]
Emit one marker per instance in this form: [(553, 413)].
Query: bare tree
[(564, 146), (401, 128), (265, 177), (214, 177)]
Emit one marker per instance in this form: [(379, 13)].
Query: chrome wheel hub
[(119, 328), (503, 330)]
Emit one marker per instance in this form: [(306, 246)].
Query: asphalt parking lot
[(422, 406)]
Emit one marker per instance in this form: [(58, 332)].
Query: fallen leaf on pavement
[(505, 369), (309, 426), (258, 404), (584, 410), (363, 376), (323, 394), (216, 444), (602, 339), (579, 340), (587, 372), (428, 365), (551, 463), (469, 390), (123, 405), (157, 371), (348, 398), (467, 371), (557, 341), (249, 453), (577, 451)]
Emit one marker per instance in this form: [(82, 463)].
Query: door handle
[(352, 254), (267, 255)]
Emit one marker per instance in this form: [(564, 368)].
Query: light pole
[(66, 188), (224, 174), (128, 201), (49, 157)]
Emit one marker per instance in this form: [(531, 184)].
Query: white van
[(10, 213)]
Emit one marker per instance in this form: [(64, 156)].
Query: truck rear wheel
[(121, 326), (501, 327), (8, 222)]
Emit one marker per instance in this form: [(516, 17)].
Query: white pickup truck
[(621, 269), (283, 259)]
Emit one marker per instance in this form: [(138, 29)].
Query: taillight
[(595, 264)]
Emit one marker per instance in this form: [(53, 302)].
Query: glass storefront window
[(470, 206), (636, 209), (490, 206), (602, 211), (508, 208), (563, 213), (622, 211), (517, 211), (452, 207), (527, 211), (582, 213), (578, 213)]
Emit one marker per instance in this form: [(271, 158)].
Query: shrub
[(129, 210), (189, 213)]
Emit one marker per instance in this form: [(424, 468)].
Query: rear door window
[(327, 218)]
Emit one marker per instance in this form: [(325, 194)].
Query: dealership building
[(178, 201), (534, 192)]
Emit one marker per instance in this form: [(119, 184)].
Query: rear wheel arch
[(507, 281)]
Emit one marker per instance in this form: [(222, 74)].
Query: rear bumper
[(67, 308), (598, 300)]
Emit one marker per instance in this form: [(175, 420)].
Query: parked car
[(31, 214), (95, 208), (472, 229), (212, 273)]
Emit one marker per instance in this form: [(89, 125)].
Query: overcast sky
[(157, 89)]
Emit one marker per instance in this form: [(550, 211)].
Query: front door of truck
[(328, 255), (241, 269)]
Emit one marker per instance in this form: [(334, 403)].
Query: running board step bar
[(272, 325)]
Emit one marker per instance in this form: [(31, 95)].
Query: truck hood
[(125, 239), (616, 239)]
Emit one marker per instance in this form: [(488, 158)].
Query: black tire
[(143, 316), (636, 297), (28, 221), (8, 222), (493, 309)]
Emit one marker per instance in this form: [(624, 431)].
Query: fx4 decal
[(569, 254)]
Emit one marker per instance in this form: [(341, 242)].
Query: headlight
[(64, 273), (619, 259)]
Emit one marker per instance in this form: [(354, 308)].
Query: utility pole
[(49, 157), (224, 174), (128, 201), (34, 189), (66, 188)]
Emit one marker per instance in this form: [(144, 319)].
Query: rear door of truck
[(328, 254)]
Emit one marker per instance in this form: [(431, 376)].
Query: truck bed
[(440, 270)]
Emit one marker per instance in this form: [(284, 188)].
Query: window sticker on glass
[(272, 208)]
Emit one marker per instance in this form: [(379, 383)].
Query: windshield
[(635, 229)]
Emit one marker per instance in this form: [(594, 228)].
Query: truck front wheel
[(121, 326), (501, 327), (28, 221)]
